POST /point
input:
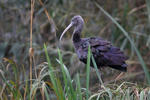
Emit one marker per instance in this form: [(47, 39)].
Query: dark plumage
[(104, 53)]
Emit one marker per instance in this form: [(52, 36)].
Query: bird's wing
[(98, 47), (104, 53)]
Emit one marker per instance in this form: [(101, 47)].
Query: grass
[(148, 10), (131, 42), (88, 72), (63, 77), (69, 88)]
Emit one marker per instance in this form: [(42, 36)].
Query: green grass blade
[(67, 78), (63, 70), (46, 93), (78, 87), (97, 71), (9, 86), (124, 44), (52, 76), (148, 10), (130, 40), (88, 72), (99, 77), (60, 89), (69, 88)]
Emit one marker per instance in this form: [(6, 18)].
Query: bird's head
[(76, 21)]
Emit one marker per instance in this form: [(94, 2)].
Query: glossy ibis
[(103, 52)]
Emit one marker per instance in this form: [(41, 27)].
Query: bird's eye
[(74, 21)]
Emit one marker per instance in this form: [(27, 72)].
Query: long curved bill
[(69, 26)]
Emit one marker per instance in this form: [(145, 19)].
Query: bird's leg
[(119, 76)]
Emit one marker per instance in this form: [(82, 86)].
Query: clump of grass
[(122, 91), (67, 88)]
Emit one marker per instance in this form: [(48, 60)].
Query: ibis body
[(103, 52)]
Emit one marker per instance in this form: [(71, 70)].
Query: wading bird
[(103, 52)]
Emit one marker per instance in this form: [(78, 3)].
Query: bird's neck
[(77, 33), (76, 37)]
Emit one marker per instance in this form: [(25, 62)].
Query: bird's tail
[(117, 59), (120, 67)]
